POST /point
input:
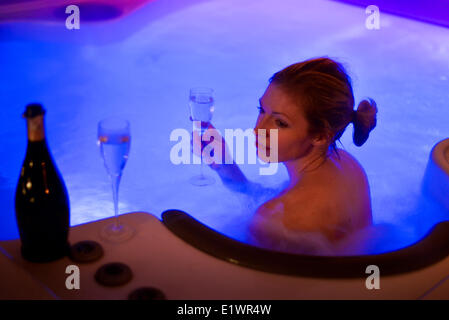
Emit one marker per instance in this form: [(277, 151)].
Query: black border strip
[(432, 248)]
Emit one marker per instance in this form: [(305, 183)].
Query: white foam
[(271, 234)]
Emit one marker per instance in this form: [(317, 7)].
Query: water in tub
[(145, 74)]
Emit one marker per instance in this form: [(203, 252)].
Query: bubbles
[(376, 239), (246, 200), (384, 236), (271, 234)]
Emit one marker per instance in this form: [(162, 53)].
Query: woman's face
[(278, 111)]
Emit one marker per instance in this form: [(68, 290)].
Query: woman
[(310, 104)]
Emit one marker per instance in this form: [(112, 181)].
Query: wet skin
[(325, 194)]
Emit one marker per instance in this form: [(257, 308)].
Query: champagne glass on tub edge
[(201, 103), (114, 139)]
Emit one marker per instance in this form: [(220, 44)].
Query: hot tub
[(140, 64), (430, 249), (436, 178)]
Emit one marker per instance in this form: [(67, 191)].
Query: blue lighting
[(141, 67)]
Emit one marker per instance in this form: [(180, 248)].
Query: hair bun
[(364, 121)]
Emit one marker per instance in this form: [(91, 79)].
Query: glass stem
[(201, 154), (115, 186)]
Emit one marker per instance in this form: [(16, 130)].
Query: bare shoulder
[(304, 209), (347, 163), (336, 196), (273, 208), (338, 175)]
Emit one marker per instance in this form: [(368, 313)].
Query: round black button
[(86, 251), (147, 293), (113, 274)]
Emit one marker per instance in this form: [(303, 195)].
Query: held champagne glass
[(201, 103), (114, 140)]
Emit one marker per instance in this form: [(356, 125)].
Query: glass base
[(117, 234), (202, 180)]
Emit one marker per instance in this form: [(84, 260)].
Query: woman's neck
[(309, 163)]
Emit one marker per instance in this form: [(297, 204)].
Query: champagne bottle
[(41, 203)]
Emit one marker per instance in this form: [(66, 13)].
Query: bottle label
[(36, 128)]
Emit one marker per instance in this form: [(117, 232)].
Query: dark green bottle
[(41, 203)]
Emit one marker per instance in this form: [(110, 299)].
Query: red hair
[(323, 89)]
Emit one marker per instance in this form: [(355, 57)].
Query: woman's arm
[(231, 176), (230, 173)]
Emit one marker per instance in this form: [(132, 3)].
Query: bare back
[(333, 199)]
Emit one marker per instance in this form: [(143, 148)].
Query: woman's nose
[(261, 124), (260, 131), (255, 131)]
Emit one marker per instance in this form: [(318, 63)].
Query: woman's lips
[(260, 145)]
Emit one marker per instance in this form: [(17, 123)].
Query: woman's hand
[(211, 134), (223, 164)]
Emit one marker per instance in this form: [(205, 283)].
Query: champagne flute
[(201, 103), (114, 140)]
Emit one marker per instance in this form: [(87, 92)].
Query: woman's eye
[(281, 123)]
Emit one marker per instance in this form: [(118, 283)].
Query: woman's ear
[(322, 139)]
